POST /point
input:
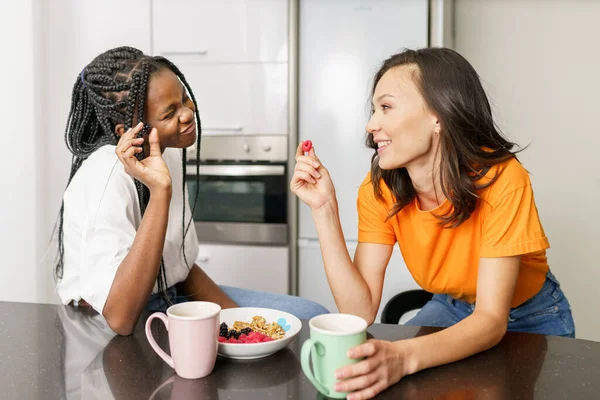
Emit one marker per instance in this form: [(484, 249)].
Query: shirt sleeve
[(373, 225), (107, 238), (511, 225)]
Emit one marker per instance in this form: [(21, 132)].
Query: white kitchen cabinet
[(264, 268), (240, 99), (313, 283), (221, 31)]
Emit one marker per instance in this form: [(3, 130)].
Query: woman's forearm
[(137, 273), (348, 287), (476, 333)]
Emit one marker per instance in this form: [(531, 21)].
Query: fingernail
[(316, 164), (318, 175), (339, 375), (337, 388), (314, 181), (350, 354)]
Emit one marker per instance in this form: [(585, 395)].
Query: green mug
[(331, 336)]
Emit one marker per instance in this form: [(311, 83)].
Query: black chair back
[(402, 303)]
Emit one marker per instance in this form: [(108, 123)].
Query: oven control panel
[(241, 148)]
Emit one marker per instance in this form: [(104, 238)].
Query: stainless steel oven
[(243, 189)]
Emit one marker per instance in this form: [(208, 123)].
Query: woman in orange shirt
[(447, 187)]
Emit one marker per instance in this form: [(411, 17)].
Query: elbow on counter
[(369, 317), (120, 327), (120, 324), (497, 329), (500, 331)]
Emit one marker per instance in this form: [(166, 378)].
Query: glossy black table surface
[(57, 352)]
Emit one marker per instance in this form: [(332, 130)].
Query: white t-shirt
[(101, 218)]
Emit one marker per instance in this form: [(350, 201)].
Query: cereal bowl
[(246, 351)]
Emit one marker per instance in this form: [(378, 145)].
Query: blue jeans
[(301, 308), (547, 313)]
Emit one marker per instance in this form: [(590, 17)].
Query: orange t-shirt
[(446, 260)]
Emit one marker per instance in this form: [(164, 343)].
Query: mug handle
[(306, 365), (168, 359)]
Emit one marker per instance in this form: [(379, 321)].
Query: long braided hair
[(112, 89)]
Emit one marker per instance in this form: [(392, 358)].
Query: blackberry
[(233, 333), (246, 331), (223, 330)]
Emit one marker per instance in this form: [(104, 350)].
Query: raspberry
[(306, 146), (233, 336)]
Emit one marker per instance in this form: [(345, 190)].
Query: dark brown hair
[(470, 142)]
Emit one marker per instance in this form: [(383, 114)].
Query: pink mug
[(193, 337)]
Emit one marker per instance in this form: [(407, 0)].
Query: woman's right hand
[(152, 171), (311, 181)]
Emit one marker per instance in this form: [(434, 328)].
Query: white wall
[(21, 163), (44, 50), (540, 62), (75, 33)]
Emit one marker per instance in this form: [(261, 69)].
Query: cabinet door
[(264, 268), (240, 98), (221, 31)]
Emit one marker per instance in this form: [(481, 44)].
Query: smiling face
[(406, 132), (170, 110)]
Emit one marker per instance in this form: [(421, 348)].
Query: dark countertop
[(56, 352)]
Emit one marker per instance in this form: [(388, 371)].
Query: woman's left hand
[(383, 365)]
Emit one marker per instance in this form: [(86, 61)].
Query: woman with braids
[(447, 188), (125, 231)]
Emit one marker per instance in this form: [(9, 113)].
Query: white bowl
[(247, 351)]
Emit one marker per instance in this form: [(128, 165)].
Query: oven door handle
[(237, 170)]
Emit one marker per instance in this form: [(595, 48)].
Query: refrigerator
[(341, 46)]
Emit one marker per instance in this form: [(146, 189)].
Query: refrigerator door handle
[(441, 28)]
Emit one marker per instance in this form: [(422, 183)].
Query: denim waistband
[(157, 303), (548, 288)]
